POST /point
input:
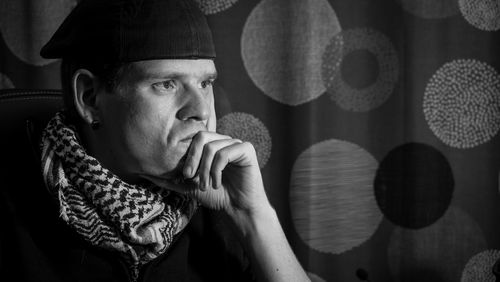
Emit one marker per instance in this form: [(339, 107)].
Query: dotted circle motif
[(210, 7), (332, 203), (282, 46), (247, 128), (24, 37), (479, 267), (482, 14), (437, 252), (414, 185), (431, 9), (367, 98), (462, 103), (5, 82)]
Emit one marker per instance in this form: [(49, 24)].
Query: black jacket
[(36, 245)]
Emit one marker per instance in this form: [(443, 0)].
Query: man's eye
[(165, 85), (206, 83), (169, 84)]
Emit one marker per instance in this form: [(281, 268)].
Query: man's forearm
[(271, 256)]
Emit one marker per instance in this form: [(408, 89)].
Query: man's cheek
[(161, 156), (177, 160)]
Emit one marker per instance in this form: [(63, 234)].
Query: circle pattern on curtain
[(209, 7), (351, 97), (288, 75), (479, 267), (482, 14), (462, 103), (414, 185), (395, 170), (246, 127), (332, 202)]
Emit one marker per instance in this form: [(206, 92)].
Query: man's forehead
[(164, 67)]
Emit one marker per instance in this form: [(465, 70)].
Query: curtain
[(375, 123)]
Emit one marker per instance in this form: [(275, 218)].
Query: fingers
[(196, 151), (209, 154), (209, 178), (213, 155), (240, 153)]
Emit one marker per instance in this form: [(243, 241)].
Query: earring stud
[(95, 124)]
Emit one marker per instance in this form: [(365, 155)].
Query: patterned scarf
[(138, 221)]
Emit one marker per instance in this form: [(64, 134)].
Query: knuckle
[(201, 137), (209, 149), (220, 156), (236, 141), (249, 146)]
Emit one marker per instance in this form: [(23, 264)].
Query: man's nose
[(196, 105)]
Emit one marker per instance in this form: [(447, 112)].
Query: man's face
[(150, 119)]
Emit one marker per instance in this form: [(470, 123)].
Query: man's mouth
[(189, 137)]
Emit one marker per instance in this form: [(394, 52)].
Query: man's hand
[(226, 174), (228, 177)]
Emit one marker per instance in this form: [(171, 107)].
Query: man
[(136, 152)]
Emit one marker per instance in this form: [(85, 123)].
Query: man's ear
[(84, 84)]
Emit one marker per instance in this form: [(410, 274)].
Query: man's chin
[(170, 179), (173, 180), (170, 183)]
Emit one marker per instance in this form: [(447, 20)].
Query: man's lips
[(189, 137)]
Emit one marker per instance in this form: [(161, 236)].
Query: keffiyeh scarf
[(139, 221)]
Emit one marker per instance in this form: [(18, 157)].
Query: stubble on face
[(155, 137)]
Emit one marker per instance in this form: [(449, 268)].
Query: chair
[(24, 203), (23, 114)]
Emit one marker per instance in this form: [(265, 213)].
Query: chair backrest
[(25, 203), (23, 114)]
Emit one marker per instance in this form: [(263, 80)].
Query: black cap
[(132, 30)]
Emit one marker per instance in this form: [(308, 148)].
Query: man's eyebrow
[(212, 75), (175, 74)]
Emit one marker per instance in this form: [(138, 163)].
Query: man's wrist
[(271, 257), (254, 221)]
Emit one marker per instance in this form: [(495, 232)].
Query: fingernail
[(201, 185)]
